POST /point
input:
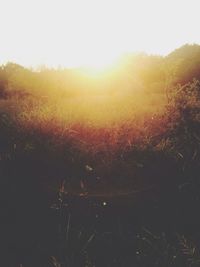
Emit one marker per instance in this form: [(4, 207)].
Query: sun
[(99, 64)]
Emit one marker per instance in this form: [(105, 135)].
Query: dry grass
[(98, 120)]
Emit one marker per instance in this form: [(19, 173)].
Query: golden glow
[(93, 33)]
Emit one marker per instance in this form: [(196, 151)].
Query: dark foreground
[(141, 214), (137, 230)]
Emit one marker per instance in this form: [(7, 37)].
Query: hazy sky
[(93, 32)]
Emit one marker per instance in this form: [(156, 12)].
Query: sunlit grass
[(96, 120)]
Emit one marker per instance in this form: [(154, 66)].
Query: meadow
[(102, 168)]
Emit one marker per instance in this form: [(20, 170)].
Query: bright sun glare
[(92, 33)]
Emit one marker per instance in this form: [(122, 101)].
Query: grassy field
[(101, 170)]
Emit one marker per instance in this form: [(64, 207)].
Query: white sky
[(93, 32)]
